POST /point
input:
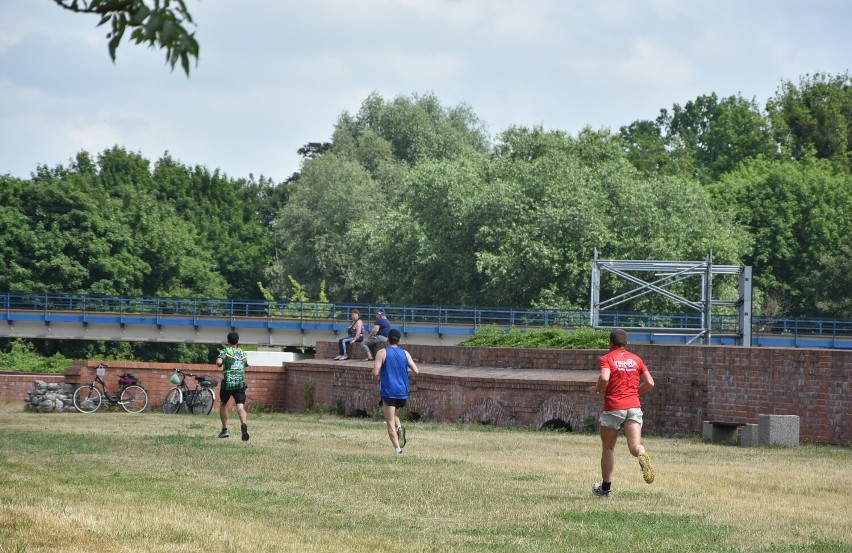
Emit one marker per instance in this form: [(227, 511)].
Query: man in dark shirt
[(378, 334)]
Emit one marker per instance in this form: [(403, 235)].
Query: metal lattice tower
[(667, 273)]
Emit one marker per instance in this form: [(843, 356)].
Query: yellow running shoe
[(647, 470)]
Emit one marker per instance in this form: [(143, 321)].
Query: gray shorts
[(615, 419)]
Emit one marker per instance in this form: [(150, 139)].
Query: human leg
[(223, 413), (240, 400), (609, 436), (633, 433), (391, 420), (344, 347), (366, 343)]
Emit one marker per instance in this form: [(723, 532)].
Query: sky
[(274, 75)]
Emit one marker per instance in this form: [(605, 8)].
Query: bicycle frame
[(191, 397), (89, 398), (112, 399)]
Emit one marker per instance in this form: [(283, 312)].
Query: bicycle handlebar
[(199, 378)]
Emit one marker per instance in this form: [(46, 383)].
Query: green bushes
[(551, 337), (22, 357)]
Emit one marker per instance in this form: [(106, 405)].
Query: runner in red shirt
[(624, 377)]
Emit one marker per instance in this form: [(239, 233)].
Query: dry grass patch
[(152, 482)]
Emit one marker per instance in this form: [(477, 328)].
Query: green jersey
[(234, 363)]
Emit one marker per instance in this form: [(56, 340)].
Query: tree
[(513, 227), (347, 202), (159, 25), (815, 118), (419, 128), (321, 232), (580, 193), (703, 139), (800, 216)]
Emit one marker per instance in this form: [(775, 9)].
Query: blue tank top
[(394, 374)]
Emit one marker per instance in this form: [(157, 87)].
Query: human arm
[(377, 362), (375, 330), (646, 382), (411, 364), (603, 380)]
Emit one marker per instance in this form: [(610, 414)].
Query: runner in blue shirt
[(391, 368)]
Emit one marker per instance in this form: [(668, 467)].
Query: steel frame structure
[(667, 273)]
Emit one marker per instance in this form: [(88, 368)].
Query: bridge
[(294, 324)]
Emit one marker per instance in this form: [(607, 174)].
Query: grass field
[(314, 482)]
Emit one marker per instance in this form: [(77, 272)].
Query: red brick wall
[(694, 383), (14, 386), (266, 383)]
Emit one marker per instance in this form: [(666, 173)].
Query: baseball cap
[(380, 312)]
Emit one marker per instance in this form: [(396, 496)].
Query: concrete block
[(748, 436), (719, 431), (778, 430)]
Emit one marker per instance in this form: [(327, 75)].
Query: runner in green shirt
[(233, 361)]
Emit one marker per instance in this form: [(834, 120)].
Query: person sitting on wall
[(354, 333), (378, 334)]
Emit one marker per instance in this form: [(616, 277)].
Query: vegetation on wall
[(556, 338)]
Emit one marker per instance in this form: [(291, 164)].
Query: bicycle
[(198, 400), (91, 397)]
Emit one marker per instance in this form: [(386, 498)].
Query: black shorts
[(238, 395), (398, 403)]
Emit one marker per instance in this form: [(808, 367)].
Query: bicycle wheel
[(203, 401), (87, 399), (134, 399), (173, 402)]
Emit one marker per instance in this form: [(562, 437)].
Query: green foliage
[(702, 139), (461, 227), (800, 216), (553, 338), (21, 356), (815, 118), (157, 25), (300, 304), (410, 203), (115, 227)]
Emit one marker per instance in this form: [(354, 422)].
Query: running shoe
[(400, 433), (598, 490), (224, 433), (647, 470), (338, 358), (244, 429)]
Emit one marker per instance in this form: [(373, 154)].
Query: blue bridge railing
[(15, 306)]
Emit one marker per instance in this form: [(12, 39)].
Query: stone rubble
[(50, 397)]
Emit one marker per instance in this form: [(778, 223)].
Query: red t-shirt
[(625, 368)]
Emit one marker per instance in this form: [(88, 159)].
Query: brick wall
[(266, 383), (694, 383), (14, 386)]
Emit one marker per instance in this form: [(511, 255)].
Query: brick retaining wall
[(694, 383)]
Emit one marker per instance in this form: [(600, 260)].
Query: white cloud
[(276, 75)]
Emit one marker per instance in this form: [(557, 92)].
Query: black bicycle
[(199, 400), (91, 397)]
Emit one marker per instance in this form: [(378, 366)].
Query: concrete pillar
[(778, 429)]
